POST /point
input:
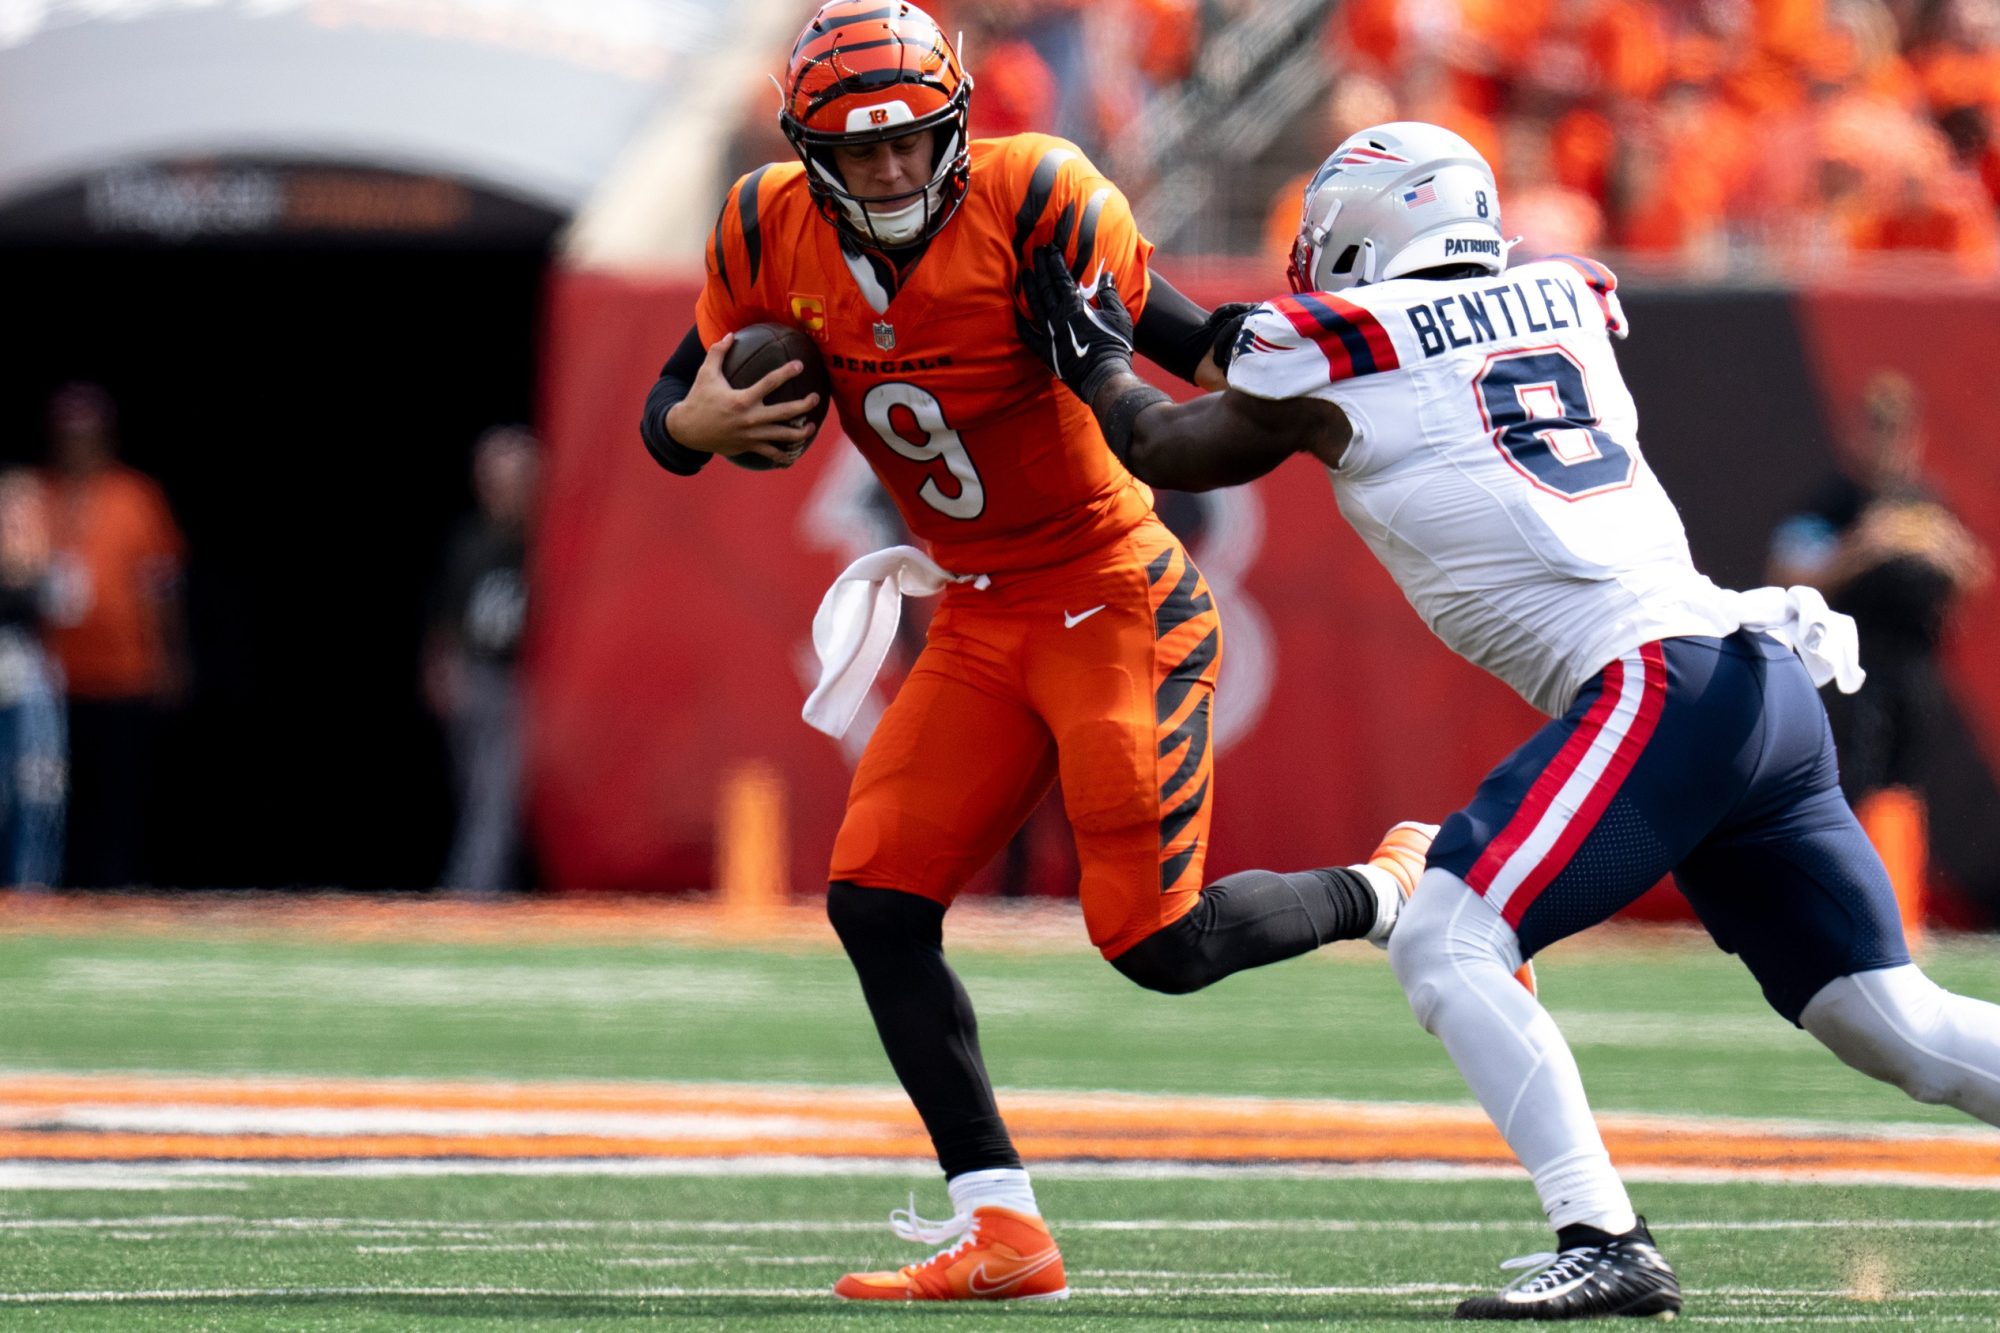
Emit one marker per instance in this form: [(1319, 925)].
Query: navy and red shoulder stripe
[(1354, 341), (1601, 281)]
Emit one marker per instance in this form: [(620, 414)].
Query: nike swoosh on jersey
[(1072, 621), (976, 1281)]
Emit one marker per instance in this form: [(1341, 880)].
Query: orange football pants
[(1100, 671)]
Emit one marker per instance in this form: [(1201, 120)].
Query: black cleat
[(1624, 1276)]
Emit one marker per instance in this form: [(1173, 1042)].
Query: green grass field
[(1666, 1027)]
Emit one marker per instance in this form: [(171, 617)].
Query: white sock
[(1000, 1187), (1583, 1188), (1456, 959), (1388, 902)]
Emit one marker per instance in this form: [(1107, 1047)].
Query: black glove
[(1224, 323), (1084, 344)]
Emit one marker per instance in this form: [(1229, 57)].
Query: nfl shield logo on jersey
[(885, 335)]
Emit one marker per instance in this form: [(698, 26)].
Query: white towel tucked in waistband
[(856, 622), (1799, 618)]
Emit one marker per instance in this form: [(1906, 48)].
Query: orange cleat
[(1403, 852), (1400, 858), (1526, 976), (1000, 1255)]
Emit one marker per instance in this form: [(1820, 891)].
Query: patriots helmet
[(1396, 199), (863, 71)]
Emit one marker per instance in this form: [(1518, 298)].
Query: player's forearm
[(1193, 446), (1180, 337), (676, 379)]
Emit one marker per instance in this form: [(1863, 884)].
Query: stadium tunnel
[(305, 248)]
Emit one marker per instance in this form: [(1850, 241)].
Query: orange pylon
[(1893, 818)]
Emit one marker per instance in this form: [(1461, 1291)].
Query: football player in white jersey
[(1480, 439)]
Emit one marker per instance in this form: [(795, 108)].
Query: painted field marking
[(94, 1118), (349, 1227), (819, 1293), (226, 1175)]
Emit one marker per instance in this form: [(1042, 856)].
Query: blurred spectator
[(118, 630), (470, 677), (1055, 35), (1550, 217), (1938, 213), (1810, 132), (1885, 549), (34, 762), (1673, 169), (1355, 102), (1974, 147), (1015, 91)]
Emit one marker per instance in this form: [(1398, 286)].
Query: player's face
[(887, 169)]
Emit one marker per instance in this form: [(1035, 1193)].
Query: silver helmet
[(1396, 199)]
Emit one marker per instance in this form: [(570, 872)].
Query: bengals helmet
[(1396, 199), (863, 72)]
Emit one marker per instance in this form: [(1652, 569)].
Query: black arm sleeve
[(676, 378), (1173, 331)]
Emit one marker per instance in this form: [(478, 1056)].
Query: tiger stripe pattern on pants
[(1099, 673)]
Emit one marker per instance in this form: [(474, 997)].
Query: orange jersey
[(992, 462), (115, 530)]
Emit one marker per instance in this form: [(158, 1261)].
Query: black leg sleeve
[(924, 1017), (1248, 920)]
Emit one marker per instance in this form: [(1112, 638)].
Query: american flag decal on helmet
[(1425, 193)]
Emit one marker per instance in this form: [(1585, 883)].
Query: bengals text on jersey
[(991, 461)]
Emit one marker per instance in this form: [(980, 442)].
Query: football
[(761, 349)]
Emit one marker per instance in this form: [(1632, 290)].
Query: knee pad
[(1442, 929), (1417, 959)]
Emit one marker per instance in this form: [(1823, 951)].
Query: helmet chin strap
[(898, 226)]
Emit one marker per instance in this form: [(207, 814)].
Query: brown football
[(761, 349)]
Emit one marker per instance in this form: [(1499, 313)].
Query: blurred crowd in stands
[(1709, 136), (1807, 130)]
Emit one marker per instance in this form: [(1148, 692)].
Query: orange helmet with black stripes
[(862, 72)]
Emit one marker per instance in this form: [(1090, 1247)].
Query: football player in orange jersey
[(1089, 649)]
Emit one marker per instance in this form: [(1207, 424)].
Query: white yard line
[(325, 1122), (348, 1227), (1727, 1294)]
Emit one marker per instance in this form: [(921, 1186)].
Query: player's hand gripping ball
[(762, 348)]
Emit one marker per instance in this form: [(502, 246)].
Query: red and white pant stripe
[(1565, 802)]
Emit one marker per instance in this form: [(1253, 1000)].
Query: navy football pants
[(1707, 758)]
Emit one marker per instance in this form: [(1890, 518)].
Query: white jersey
[(1495, 467)]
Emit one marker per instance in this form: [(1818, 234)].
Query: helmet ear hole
[(1345, 264)]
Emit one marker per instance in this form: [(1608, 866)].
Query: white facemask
[(896, 227)]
